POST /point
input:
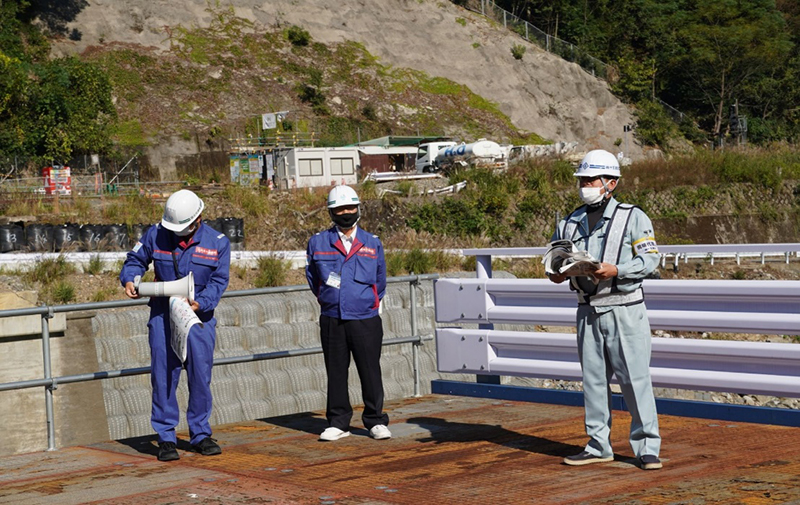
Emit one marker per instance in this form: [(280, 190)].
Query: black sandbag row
[(35, 237), (232, 227)]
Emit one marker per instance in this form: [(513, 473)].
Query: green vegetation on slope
[(216, 81), (49, 108), (517, 207), (701, 56)]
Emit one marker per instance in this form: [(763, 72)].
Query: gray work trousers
[(616, 341)]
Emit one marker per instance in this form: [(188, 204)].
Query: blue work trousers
[(166, 372)]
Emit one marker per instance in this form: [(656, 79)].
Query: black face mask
[(346, 221)]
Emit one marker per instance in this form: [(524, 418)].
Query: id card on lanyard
[(334, 280)]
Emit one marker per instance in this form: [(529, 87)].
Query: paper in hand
[(563, 257), (181, 320)]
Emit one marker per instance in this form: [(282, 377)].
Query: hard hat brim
[(177, 227), (174, 227)]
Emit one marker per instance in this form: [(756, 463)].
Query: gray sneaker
[(649, 462), (586, 458)]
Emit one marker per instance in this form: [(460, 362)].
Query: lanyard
[(175, 264)]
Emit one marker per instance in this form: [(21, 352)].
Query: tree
[(726, 44), (48, 108)]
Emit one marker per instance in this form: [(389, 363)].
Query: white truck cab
[(427, 154)]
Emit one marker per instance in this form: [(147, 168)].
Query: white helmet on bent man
[(598, 163), (182, 209), (341, 196)]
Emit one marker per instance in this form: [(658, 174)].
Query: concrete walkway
[(445, 450)]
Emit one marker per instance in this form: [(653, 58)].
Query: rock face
[(541, 92)]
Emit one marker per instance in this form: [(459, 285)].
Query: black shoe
[(207, 447), (586, 458), (167, 451), (649, 462)]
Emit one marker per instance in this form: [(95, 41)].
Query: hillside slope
[(540, 93)]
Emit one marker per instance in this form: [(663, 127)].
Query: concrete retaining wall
[(119, 408), (246, 391)]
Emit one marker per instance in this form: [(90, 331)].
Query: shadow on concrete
[(148, 444), (308, 422), (442, 431)]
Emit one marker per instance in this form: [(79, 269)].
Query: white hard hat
[(598, 162), (341, 196), (182, 209)]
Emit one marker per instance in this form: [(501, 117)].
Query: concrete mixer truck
[(448, 156)]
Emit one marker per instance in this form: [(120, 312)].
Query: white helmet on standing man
[(598, 163), (343, 196), (182, 209)]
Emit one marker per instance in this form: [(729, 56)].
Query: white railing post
[(483, 270)]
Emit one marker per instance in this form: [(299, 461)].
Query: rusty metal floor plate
[(444, 450)]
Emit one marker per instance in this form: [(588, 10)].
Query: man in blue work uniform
[(613, 330), (345, 269), (180, 244)]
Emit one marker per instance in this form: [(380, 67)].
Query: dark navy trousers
[(363, 339)]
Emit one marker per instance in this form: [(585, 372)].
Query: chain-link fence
[(566, 50), (88, 175), (562, 48)]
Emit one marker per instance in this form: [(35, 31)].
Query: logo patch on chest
[(206, 252)]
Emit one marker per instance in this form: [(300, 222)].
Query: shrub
[(370, 112), (517, 51), (368, 190), (271, 272), (50, 270), (102, 295), (654, 127), (406, 188), (394, 263), (298, 36), (739, 275), (419, 261), (63, 292), (95, 265)]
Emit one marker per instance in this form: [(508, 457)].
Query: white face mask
[(188, 231), (591, 195)]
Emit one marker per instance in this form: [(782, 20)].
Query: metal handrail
[(50, 383)]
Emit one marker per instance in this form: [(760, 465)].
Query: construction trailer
[(308, 167)]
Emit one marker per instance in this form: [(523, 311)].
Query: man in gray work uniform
[(613, 330)]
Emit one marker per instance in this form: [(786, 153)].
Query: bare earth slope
[(540, 93)]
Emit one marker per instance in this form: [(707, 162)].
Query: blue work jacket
[(360, 275), (207, 256)]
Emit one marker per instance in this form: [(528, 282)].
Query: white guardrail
[(676, 252), (26, 261), (755, 307)]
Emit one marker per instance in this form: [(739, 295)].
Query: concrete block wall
[(261, 324)]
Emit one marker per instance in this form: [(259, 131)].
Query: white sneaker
[(380, 432), (330, 434)]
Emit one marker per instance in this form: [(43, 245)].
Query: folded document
[(562, 257)]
